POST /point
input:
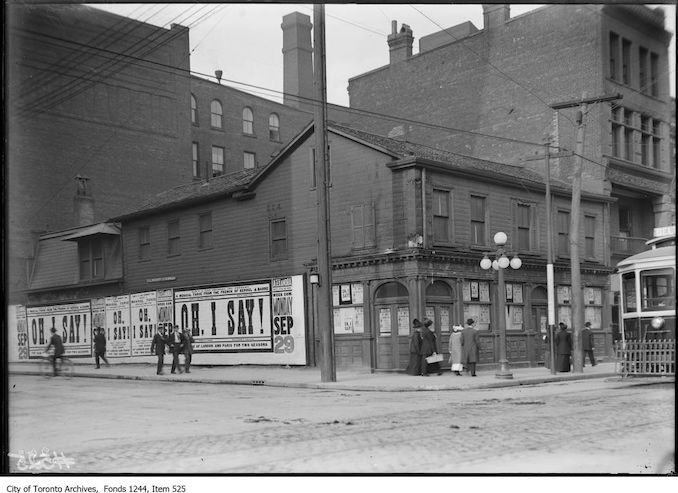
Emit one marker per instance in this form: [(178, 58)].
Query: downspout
[(423, 206)]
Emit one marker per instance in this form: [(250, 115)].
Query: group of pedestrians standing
[(463, 349), (564, 346), (178, 343)]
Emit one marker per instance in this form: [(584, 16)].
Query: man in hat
[(58, 344), (587, 344), (187, 349), (175, 342), (158, 347), (469, 347), (563, 349), (100, 346)]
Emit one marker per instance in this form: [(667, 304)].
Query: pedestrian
[(187, 349), (158, 348), (469, 347), (563, 348), (414, 365), (587, 344), (428, 347), (100, 346), (455, 350), (175, 341), (59, 351)]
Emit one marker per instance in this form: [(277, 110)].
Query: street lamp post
[(500, 263)]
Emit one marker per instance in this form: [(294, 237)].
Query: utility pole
[(577, 296), (550, 276), (325, 321)]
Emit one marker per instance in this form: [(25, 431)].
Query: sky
[(245, 40)]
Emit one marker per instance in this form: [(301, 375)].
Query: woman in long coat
[(563, 349), (455, 350), (414, 365), (469, 347), (429, 346)]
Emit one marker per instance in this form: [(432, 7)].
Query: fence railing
[(625, 245), (646, 358)]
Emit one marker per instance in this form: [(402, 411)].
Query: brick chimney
[(495, 15), (297, 61), (400, 43), (83, 203)]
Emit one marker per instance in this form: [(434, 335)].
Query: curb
[(363, 387)]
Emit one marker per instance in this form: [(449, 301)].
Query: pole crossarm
[(579, 102)]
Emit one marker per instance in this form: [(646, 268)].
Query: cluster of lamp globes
[(503, 261)]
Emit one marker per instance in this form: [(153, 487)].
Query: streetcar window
[(657, 286), (629, 290)]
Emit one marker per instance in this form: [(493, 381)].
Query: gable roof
[(404, 153), (199, 191)]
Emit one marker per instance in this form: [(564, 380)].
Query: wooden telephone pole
[(577, 295), (325, 321)]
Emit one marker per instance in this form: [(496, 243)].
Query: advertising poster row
[(259, 322)]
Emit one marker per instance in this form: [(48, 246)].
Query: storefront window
[(476, 297), (593, 307), (564, 295), (514, 306), (348, 308)]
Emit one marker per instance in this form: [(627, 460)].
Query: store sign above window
[(161, 279)]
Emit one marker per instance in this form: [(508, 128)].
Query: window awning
[(96, 229)]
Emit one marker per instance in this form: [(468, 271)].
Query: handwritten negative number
[(284, 344)]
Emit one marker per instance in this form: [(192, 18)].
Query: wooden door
[(393, 336)]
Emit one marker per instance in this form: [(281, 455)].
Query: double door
[(394, 328)]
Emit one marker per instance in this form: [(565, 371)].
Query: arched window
[(391, 290), (247, 121), (194, 110), (217, 114), (274, 127)]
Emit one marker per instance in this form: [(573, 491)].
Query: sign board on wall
[(260, 322), (72, 321)]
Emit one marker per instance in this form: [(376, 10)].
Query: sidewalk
[(310, 378)]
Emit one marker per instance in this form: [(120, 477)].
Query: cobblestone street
[(114, 427)]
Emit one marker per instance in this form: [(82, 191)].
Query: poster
[(164, 300), (485, 292), (444, 319), (72, 321), (117, 328), (403, 321), (517, 293), (466, 291), (357, 290), (385, 321), (144, 320)]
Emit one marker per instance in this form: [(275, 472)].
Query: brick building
[(102, 113), (467, 84)]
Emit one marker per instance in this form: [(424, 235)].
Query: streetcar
[(648, 308)]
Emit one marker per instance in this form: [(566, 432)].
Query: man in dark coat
[(428, 347), (469, 347), (587, 344), (100, 346), (414, 366), (175, 341), (59, 351), (158, 348), (187, 349), (563, 349)]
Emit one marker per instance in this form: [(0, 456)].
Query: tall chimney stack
[(400, 43), (83, 203), (297, 61), (495, 15)]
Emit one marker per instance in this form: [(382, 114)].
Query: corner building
[(407, 240)]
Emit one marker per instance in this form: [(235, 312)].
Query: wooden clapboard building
[(409, 227)]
